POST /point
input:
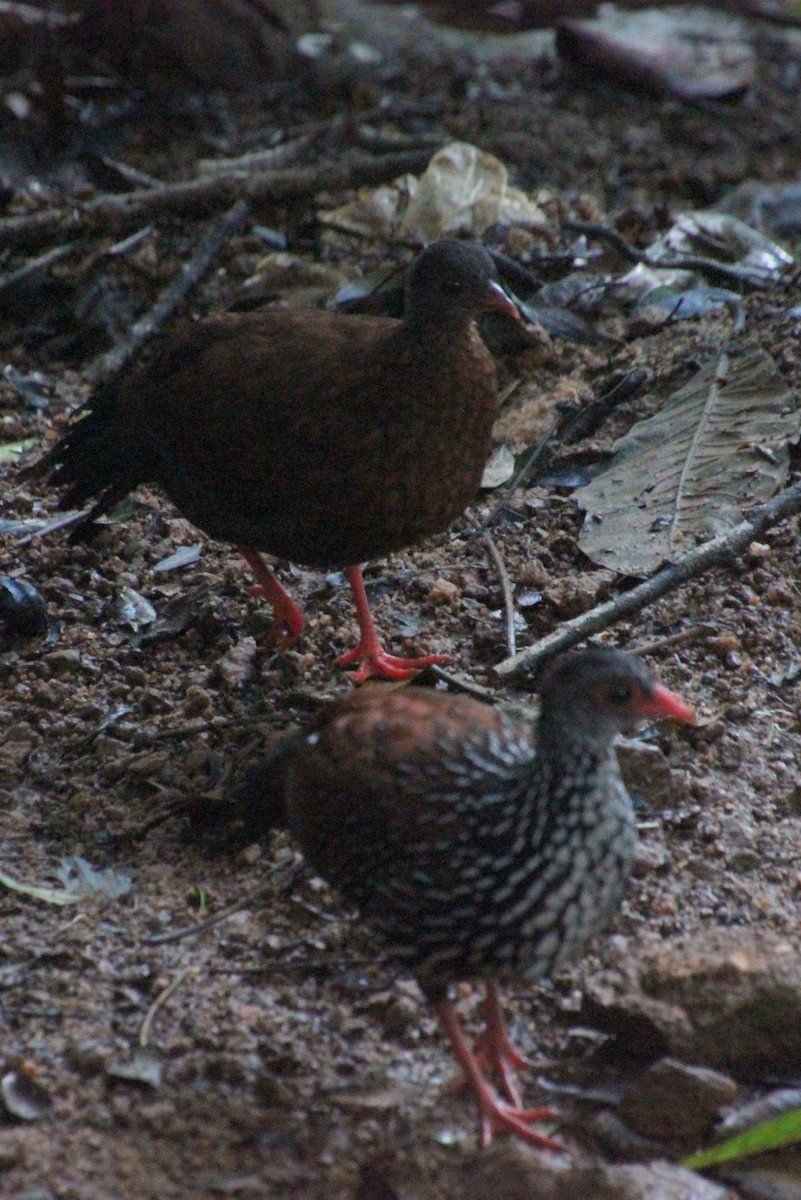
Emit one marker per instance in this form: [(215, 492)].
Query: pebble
[(647, 774), (675, 1102), (513, 1171)]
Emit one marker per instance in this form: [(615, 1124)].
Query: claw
[(374, 660), (494, 1115), (287, 623)]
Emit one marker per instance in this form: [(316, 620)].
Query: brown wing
[(388, 781)]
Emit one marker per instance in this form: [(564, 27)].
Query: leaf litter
[(719, 446), (250, 1062)]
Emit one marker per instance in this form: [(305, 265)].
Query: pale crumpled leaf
[(500, 467), (465, 190), (725, 238), (80, 878), (687, 473), (48, 895), (376, 212)]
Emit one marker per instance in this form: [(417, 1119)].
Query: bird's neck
[(577, 771), (426, 327)]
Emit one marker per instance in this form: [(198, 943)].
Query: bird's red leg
[(494, 1115), (369, 653), (287, 623), (495, 1052)]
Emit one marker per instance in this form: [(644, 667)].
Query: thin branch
[(699, 560), (207, 196), (726, 273), (692, 634), (161, 999), (291, 873), (35, 265), (506, 588), (111, 363)]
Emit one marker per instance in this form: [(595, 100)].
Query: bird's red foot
[(495, 1052), (288, 620), (375, 663), (494, 1115), (506, 1118), (286, 627), (501, 1063)]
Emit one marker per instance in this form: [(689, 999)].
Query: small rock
[(251, 854), (674, 1102), (726, 998), (646, 773), (237, 665), (21, 732), (397, 1008), (197, 701), (63, 662), (650, 857), (87, 1057), (512, 1171), (443, 591), (271, 1091)]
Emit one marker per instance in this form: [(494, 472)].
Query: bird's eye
[(620, 693), (451, 287)]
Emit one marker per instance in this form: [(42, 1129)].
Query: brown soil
[(293, 1060)]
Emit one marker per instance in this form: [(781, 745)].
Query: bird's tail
[(262, 794), (100, 458)]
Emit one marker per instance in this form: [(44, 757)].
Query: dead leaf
[(723, 237), (675, 53), (23, 1097), (466, 190), (499, 468), (688, 472)]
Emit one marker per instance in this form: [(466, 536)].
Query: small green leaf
[(49, 895), (10, 451), (770, 1135), (199, 899)]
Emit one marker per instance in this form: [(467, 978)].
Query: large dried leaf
[(686, 474), (466, 190)]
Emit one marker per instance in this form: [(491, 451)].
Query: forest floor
[(276, 1054)]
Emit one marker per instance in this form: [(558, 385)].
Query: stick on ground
[(111, 363), (699, 560), (204, 197)]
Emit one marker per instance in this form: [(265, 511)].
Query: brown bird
[(321, 438), (476, 852)]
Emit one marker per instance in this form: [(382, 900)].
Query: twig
[(506, 588), (42, 263), (689, 567), (204, 197), (656, 645), (721, 272), (177, 935), (109, 364), (161, 999), (469, 686)]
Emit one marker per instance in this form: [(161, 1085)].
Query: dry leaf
[(465, 190), (690, 55), (723, 237), (718, 447)]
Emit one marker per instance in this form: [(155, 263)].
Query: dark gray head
[(454, 281), (595, 693)]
